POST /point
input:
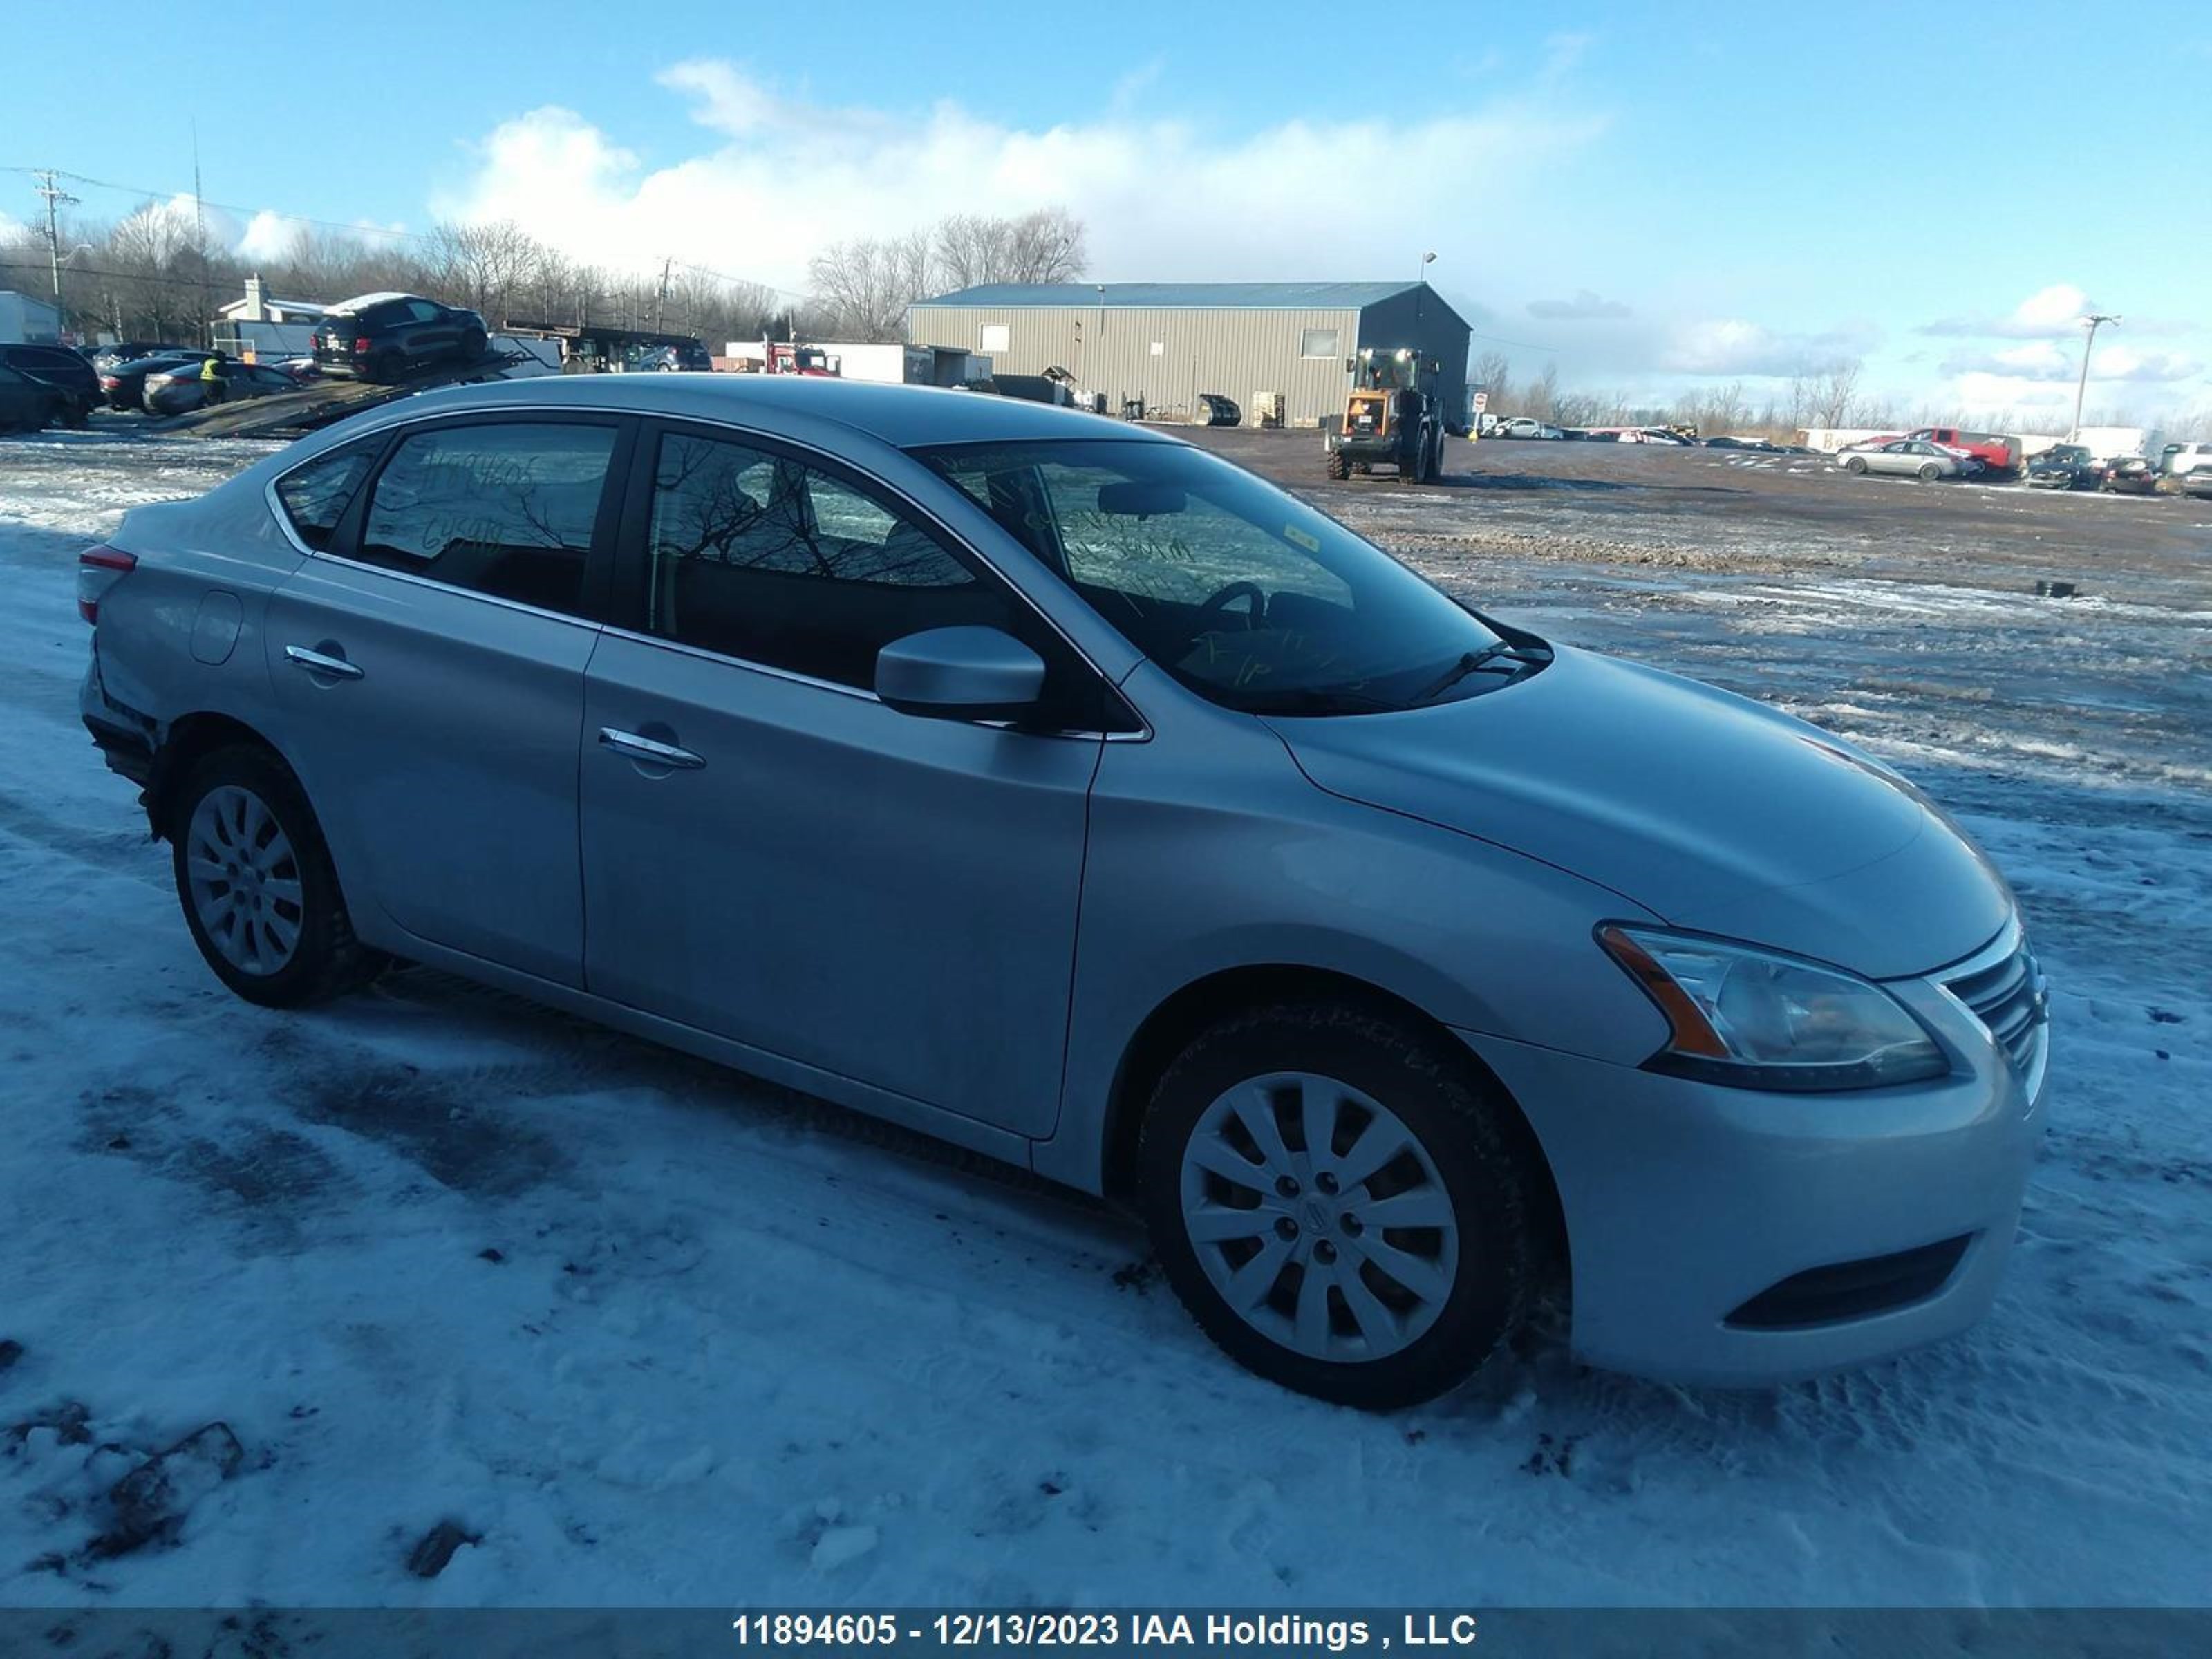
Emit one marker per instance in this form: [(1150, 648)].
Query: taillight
[(98, 569), (361, 347)]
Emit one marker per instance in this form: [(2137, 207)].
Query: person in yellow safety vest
[(212, 388)]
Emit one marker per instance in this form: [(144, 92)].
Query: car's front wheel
[(1855, 465), (259, 890), (1334, 1197)]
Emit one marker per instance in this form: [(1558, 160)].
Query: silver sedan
[(1061, 790), (1910, 458)]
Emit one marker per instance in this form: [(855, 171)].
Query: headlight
[(1754, 1019)]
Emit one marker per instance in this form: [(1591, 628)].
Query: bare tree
[(1541, 401), (865, 286), (1831, 392), (1493, 373)]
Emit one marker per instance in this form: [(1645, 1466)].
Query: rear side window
[(315, 496), (503, 509)]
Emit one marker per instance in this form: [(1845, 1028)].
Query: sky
[(1654, 197)]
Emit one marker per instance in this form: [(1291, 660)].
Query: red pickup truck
[(1998, 454)]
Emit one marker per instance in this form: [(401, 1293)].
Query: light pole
[(2094, 319)]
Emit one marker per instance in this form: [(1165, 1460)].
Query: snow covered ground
[(651, 1333)]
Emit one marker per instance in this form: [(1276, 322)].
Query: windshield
[(1386, 371), (1243, 593)]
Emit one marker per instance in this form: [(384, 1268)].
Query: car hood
[(1703, 808)]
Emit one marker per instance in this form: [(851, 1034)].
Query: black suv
[(380, 337), (683, 356), (68, 371)]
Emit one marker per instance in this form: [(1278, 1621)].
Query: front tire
[(256, 882), (1334, 1198), (1856, 467)]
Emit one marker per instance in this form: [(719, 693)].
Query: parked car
[(125, 385), (688, 357), (68, 371), (381, 337), (26, 404), (131, 351), (2179, 461), (2064, 466), (2129, 476), (1521, 426), (179, 388), (1419, 958), (2198, 482), (1913, 457), (1996, 453)]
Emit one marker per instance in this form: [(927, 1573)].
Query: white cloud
[(2049, 360), (1585, 308), (1733, 346), (267, 235), (2047, 312), (785, 177)]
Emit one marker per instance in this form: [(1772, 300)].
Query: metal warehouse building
[(1165, 342)]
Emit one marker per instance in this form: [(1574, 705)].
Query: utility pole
[(2094, 321), (660, 299), (57, 198), (199, 235)]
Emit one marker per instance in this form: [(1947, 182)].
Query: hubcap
[(1319, 1217), (244, 879)]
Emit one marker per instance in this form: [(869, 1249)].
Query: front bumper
[(1686, 1203), (1363, 447)]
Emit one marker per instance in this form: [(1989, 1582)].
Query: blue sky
[(1649, 195)]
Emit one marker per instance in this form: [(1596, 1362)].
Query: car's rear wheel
[(473, 344), (1931, 472), (383, 366), (1857, 464), (255, 879), (1335, 1200)]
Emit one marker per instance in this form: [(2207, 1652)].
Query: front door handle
[(315, 662), (650, 750)]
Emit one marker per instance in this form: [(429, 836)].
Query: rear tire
[(1931, 472), (1309, 1293), (383, 366), (1340, 465), (257, 886), (473, 345)]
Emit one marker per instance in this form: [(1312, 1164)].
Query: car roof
[(361, 302), (903, 416)]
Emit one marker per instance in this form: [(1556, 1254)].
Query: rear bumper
[(1726, 1237), (125, 739)]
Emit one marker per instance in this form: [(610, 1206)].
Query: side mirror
[(960, 674)]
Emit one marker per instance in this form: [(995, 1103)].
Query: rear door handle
[(649, 751), (316, 663)]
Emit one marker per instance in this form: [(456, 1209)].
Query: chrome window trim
[(921, 509), (431, 582)]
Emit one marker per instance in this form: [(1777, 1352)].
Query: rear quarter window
[(314, 497)]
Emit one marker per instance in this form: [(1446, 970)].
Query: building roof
[(1237, 296)]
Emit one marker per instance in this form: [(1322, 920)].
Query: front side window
[(504, 508), (756, 556), (315, 496), (1243, 593)]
